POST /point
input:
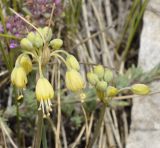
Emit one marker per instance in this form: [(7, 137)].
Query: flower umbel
[(44, 94)]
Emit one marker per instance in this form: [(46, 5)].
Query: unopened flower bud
[(73, 80), (140, 89), (45, 56), (72, 62), (18, 77), (92, 78), (31, 37), (99, 71), (38, 41), (101, 85), (26, 44), (56, 44), (26, 63), (108, 75), (112, 91), (47, 33)]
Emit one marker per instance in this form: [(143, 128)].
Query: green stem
[(15, 5), (134, 5), (6, 60), (9, 36), (40, 67), (44, 139), (61, 51), (98, 126), (18, 122), (135, 23), (38, 137)]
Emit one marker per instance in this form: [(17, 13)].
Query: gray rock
[(145, 126)]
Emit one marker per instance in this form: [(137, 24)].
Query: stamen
[(40, 105), (43, 107)]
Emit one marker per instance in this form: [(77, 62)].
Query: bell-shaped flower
[(44, 94), (19, 77)]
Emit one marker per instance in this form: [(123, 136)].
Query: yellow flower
[(26, 63), (44, 92), (18, 77), (74, 81), (112, 91), (140, 89)]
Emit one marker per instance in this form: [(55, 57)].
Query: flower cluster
[(40, 46), (102, 78)]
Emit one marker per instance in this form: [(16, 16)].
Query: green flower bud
[(38, 41), (56, 44), (72, 62), (99, 71), (31, 37), (112, 91), (101, 85), (26, 44), (108, 75), (92, 78), (47, 33), (140, 89)]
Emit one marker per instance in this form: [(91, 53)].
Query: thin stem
[(98, 125), (44, 139), (5, 58), (15, 5), (9, 36), (61, 58), (40, 67), (18, 122), (87, 126), (61, 51), (59, 111), (38, 137)]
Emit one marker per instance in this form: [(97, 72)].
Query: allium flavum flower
[(74, 81), (19, 77), (44, 94), (26, 63), (140, 89)]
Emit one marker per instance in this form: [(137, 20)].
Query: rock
[(145, 125)]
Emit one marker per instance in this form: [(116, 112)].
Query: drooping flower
[(19, 77), (26, 63), (44, 94), (72, 62), (73, 80)]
